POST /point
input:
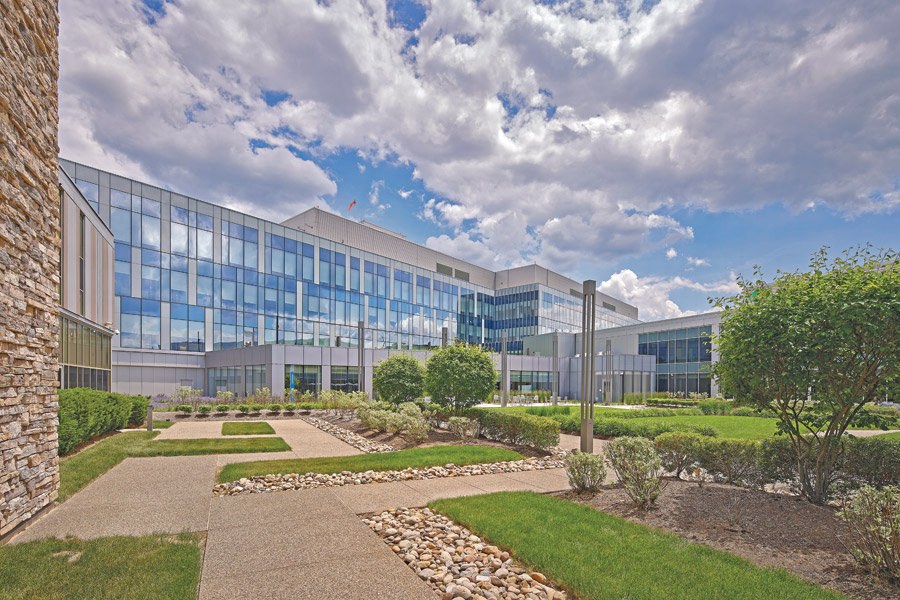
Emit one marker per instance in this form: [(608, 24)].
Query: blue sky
[(658, 147)]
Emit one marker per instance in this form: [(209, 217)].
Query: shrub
[(586, 472), (873, 518), (399, 378), (274, 408), (679, 450), (288, 408), (86, 413), (669, 401), (653, 398), (138, 413), (638, 468), (870, 462), (460, 376), (186, 394), (513, 428), (464, 428), (635, 427), (184, 408), (732, 461), (547, 411), (255, 407), (715, 407), (222, 408), (225, 396), (243, 408), (204, 409)]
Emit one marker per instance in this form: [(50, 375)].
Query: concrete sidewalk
[(291, 544)]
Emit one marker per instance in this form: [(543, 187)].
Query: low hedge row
[(554, 411), (671, 402), (516, 428), (634, 427), (86, 413), (751, 463)]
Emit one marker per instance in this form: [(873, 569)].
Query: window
[(81, 274), (302, 378), (345, 379)]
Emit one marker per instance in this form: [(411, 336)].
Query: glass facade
[(84, 356), (529, 381), (191, 276), (303, 378), (345, 379), (683, 358)]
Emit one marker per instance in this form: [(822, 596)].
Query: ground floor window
[(83, 377), (684, 383), (254, 378), (529, 381), (226, 379), (345, 379), (302, 378), (85, 356)]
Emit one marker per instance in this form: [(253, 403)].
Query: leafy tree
[(814, 348), (400, 378), (460, 376)]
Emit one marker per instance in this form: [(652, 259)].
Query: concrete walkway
[(292, 544)]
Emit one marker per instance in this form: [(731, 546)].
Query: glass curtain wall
[(683, 358)]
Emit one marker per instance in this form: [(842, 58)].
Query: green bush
[(274, 408), (223, 408), (639, 398), (184, 408), (679, 450), (715, 407), (257, 407), (638, 467), (243, 408), (464, 428), (139, 406), (732, 461), (460, 376), (667, 401), (288, 408), (516, 428), (586, 472), (547, 411), (86, 413), (870, 461), (636, 427), (204, 409), (873, 518), (399, 378)]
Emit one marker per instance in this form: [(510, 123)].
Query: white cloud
[(671, 253), (619, 113), (652, 294), (697, 262)]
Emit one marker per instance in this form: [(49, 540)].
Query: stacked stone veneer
[(29, 258)]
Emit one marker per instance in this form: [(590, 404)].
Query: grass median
[(251, 428), (80, 469), (158, 566), (386, 461), (601, 557)]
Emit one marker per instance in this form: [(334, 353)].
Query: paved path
[(294, 544), (870, 432)]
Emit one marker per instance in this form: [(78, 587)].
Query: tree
[(460, 376), (400, 378), (814, 348)]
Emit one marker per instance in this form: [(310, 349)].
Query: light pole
[(503, 368), (361, 369), (554, 374), (588, 313)]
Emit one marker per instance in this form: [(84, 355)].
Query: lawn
[(251, 428), (600, 556), (386, 461), (157, 566), (80, 469), (890, 436)]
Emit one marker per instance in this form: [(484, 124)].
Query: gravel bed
[(455, 562), (295, 481), (355, 440)]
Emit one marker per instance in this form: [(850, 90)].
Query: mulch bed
[(769, 530), (437, 437)]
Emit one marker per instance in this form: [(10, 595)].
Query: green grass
[(80, 469), (253, 428), (157, 566), (600, 556), (387, 461), (162, 424), (746, 428), (889, 436)]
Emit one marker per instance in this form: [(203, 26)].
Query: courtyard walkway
[(293, 544)]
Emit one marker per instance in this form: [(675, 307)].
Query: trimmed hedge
[(516, 428), (85, 414), (630, 427), (751, 463)]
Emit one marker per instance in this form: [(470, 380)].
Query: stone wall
[(29, 258)]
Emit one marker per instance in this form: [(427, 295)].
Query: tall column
[(360, 357), (588, 315), (554, 374), (504, 372), (445, 337)]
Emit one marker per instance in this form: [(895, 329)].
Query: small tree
[(400, 378), (460, 376), (814, 348)]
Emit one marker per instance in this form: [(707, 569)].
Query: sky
[(662, 148)]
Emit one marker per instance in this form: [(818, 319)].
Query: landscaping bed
[(436, 437), (769, 530)]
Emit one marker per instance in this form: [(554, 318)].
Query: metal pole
[(588, 314), (554, 374), (609, 371), (503, 367), (445, 337), (361, 368), (149, 417)]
